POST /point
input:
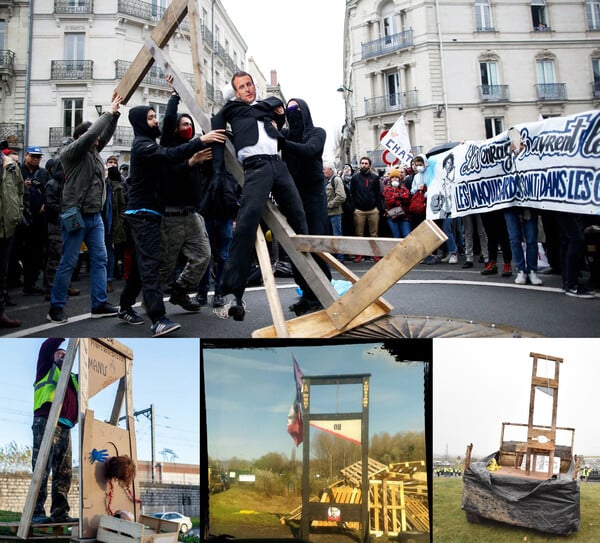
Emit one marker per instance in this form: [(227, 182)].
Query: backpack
[(418, 203)]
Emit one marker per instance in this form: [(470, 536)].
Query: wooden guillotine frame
[(102, 362), (362, 303), (348, 512)]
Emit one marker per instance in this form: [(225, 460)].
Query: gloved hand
[(98, 455)]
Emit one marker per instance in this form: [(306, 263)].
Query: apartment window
[(493, 126), (539, 16), (596, 75), (2, 32), (159, 109), (74, 46), (483, 15), (158, 8), (72, 113), (393, 85), (545, 72), (489, 73), (593, 14), (388, 23)]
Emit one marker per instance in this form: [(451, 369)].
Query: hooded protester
[(145, 208), (302, 151), (183, 230)]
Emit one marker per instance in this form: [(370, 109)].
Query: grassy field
[(451, 526)]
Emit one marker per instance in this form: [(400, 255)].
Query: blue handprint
[(99, 455)]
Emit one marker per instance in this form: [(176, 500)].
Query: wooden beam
[(264, 261), (305, 263), (352, 245), (196, 42), (394, 265), (164, 29), (46, 444)]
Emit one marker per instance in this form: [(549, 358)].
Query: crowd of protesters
[(176, 236)]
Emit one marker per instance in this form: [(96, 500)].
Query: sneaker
[(62, 519), (490, 268), (74, 291), (577, 291), (507, 269), (163, 327), (130, 316), (180, 297), (521, 278), (376, 258), (40, 519), (104, 310), (358, 259), (56, 314), (534, 279), (453, 259), (218, 301), (431, 260), (467, 264)]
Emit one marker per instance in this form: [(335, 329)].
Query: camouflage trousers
[(54, 253), (187, 236), (60, 462)]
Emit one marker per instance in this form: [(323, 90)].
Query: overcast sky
[(480, 383), (249, 393), (303, 41), (165, 373)]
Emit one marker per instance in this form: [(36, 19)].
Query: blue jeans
[(519, 228), (220, 233), (399, 229), (92, 234), (336, 229), (447, 228)]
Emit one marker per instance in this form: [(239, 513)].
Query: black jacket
[(366, 191), (185, 183), (302, 149), (147, 181), (242, 117)]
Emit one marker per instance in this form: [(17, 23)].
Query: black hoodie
[(147, 180), (302, 149), (185, 183)]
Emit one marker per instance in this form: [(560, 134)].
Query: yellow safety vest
[(45, 388)]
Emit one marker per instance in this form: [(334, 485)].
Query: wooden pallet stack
[(397, 497)]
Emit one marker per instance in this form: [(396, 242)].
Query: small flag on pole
[(295, 425)]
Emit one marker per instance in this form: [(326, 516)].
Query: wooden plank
[(104, 367), (319, 325), (264, 261), (196, 42), (165, 28), (394, 265), (46, 444), (314, 276), (344, 244)]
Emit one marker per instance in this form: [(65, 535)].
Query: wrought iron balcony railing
[(493, 93), (387, 44), (73, 6), (154, 77), (551, 91), (207, 35), (59, 135), (13, 133), (390, 102), (71, 69), (146, 11), (7, 62), (123, 136)]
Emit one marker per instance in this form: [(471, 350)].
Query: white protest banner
[(557, 168), (396, 141)]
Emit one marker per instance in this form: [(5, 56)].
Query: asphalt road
[(442, 291)]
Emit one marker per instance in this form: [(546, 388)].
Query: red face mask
[(186, 132)]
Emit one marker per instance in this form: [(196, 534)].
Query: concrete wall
[(157, 497)]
